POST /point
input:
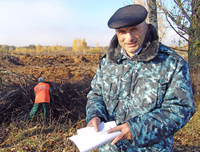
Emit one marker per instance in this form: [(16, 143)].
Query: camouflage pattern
[(153, 96)]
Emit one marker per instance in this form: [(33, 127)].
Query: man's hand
[(94, 122), (125, 133)]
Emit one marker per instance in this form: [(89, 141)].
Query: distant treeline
[(57, 49)]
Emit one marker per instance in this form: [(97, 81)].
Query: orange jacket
[(42, 92)]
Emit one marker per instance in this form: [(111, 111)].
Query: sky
[(58, 22)]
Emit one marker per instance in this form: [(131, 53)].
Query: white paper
[(87, 139)]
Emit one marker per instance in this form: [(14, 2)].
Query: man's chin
[(132, 50)]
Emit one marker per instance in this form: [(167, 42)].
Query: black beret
[(127, 16)]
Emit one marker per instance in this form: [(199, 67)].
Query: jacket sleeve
[(174, 112), (95, 105)]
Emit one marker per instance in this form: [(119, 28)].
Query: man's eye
[(133, 29)]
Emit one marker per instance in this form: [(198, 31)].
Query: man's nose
[(129, 36)]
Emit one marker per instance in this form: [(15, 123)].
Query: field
[(69, 78), (54, 68)]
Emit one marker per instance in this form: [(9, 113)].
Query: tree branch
[(176, 30), (178, 49), (180, 5), (167, 13)]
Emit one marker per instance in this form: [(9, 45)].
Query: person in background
[(42, 97), (140, 84)]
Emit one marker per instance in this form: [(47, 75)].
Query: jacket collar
[(148, 52)]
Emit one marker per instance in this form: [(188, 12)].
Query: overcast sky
[(51, 22)]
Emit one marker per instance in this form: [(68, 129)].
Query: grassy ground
[(188, 138), (38, 137)]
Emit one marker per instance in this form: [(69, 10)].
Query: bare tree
[(184, 19)]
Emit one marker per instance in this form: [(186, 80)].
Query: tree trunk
[(194, 47), (153, 13)]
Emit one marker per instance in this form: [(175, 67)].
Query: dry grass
[(188, 138), (39, 137), (36, 136)]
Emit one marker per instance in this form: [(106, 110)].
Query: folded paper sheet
[(87, 139)]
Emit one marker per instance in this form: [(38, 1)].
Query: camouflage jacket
[(152, 93)]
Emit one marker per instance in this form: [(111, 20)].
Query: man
[(42, 97), (140, 84)]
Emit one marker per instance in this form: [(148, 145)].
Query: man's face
[(131, 38)]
